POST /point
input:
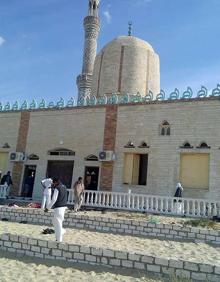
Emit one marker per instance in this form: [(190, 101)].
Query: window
[(130, 144), (135, 169), (203, 145), (143, 145), (61, 152), (6, 146), (165, 128), (91, 158), (186, 145), (33, 157), (194, 170)]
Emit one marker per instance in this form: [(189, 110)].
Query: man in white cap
[(46, 184), (58, 204)]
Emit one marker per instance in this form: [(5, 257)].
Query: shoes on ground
[(48, 231)]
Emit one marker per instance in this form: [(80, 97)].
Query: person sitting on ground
[(78, 194)]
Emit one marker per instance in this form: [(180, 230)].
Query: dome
[(128, 41), (126, 65)]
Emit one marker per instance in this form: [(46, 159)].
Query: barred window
[(165, 128)]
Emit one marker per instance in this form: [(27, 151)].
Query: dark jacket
[(6, 178), (178, 193), (62, 197)]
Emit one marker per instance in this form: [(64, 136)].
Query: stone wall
[(80, 130), (107, 257), (89, 130), (123, 226), (193, 121), (9, 125)]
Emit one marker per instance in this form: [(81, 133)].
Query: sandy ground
[(22, 269), (195, 252)]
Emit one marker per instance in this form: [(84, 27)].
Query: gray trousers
[(78, 202)]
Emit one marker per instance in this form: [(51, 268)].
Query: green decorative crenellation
[(137, 98), (51, 105), (113, 99), (102, 100), (60, 103), (42, 104), (161, 96), (24, 105), (174, 95), (15, 106), (70, 103), (187, 94), (216, 91), (81, 101), (7, 107), (33, 105), (202, 92), (148, 97)]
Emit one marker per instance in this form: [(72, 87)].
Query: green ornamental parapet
[(111, 99)]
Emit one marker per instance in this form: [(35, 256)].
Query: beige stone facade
[(88, 130), (193, 121), (156, 144)]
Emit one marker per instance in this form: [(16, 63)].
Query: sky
[(41, 43)]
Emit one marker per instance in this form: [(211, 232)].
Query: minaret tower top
[(91, 28), (94, 8)]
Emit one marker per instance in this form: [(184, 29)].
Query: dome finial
[(129, 28)]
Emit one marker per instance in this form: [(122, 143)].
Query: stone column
[(109, 144), (21, 147)]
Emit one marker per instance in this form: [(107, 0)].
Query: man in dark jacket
[(7, 179), (179, 190), (179, 207), (58, 204)]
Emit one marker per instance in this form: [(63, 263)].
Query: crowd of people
[(55, 197)]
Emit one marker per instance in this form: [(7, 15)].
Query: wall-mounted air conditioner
[(17, 157), (106, 156)]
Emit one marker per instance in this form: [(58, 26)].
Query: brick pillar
[(21, 147), (109, 144)]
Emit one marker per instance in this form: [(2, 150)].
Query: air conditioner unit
[(17, 157), (106, 156)]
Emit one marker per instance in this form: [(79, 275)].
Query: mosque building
[(122, 135)]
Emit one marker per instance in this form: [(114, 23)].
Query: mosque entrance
[(28, 181), (61, 169), (91, 178)]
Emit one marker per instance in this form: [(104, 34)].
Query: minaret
[(92, 28)]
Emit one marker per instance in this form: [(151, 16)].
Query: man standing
[(46, 183), (59, 204), (179, 207), (78, 194), (7, 179)]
